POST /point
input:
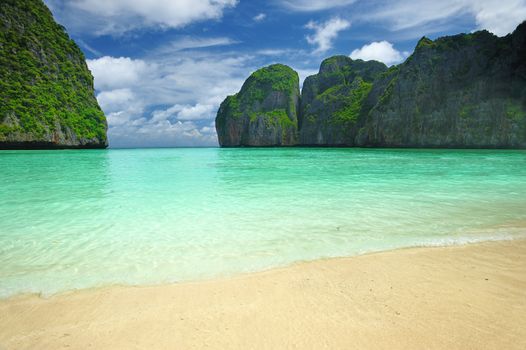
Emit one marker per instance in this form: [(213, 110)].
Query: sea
[(77, 219)]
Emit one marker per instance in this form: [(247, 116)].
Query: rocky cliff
[(264, 112), (46, 90), (466, 91), (334, 100)]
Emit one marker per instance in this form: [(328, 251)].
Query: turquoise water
[(79, 219)]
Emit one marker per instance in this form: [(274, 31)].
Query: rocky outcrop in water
[(333, 100), (46, 89), (264, 112), (466, 91)]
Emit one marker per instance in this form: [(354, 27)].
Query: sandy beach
[(462, 297)]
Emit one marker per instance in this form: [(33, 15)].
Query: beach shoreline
[(466, 296)]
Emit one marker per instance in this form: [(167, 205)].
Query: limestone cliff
[(334, 100), (46, 90), (264, 112), (465, 91)]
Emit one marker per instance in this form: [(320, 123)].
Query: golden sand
[(464, 297)]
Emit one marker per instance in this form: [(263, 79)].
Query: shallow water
[(79, 219)]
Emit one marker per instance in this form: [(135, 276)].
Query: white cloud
[(425, 16), (186, 112), (382, 51), (259, 17), (188, 42), (325, 33), (497, 16), (314, 5), (405, 14), (197, 112), (148, 133), (119, 16), (166, 99), (118, 72), (88, 48), (273, 52), (115, 100)]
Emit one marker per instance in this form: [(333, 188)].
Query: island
[(461, 91), (47, 98)]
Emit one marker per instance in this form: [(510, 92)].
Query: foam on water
[(80, 219)]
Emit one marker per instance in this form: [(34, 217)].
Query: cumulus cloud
[(149, 133), (499, 17), (325, 33), (118, 72), (119, 16), (259, 17), (115, 100), (186, 112), (314, 5), (382, 51), (166, 99)]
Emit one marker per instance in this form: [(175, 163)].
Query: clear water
[(79, 219)]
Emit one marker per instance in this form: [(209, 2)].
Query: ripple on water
[(79, 219)]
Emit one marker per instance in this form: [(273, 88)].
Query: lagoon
[(82, 219)]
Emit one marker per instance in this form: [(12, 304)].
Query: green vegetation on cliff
[(334, 99), (46, 89), (515, 111), (231, 104), (465, 90), (353, 103), (276, 117), (276, 77), (263, 112)]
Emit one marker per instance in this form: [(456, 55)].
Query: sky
[(162, 67)]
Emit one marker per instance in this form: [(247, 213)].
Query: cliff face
[(46, 90), (466, 91), (264, 112), (334, 100)]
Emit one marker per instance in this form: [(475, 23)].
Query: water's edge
[(43, 296)]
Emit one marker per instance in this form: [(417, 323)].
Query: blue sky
[(162, 67)]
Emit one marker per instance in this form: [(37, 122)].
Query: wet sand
[(463, 297)]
